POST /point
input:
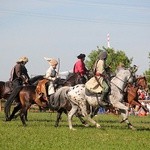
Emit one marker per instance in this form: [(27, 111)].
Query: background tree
[(113, 60)]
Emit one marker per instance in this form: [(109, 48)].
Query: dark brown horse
[(132, 94), (6, 88)]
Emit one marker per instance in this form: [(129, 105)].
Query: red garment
[(79, 67)]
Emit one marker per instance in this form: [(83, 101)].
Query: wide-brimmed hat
[(52, 61), (23, 59), (81, 56)]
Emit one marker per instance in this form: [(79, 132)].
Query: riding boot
[(103, 99)]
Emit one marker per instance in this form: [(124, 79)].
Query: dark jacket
[(18, 71)]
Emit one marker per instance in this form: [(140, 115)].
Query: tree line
[(114, 58)]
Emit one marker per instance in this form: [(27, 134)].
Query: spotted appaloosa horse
[(79, 99)]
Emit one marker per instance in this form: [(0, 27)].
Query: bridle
[(122, 90)]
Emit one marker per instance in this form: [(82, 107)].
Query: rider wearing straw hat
[(51, 74), (19, 73), (19, 76)]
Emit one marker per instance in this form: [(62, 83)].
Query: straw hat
[(23, 59), (52, 61)]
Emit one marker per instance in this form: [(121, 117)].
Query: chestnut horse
[(132, 94)]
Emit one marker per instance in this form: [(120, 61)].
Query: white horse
[(79, 99)]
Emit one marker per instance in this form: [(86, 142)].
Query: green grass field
[(40, 134)]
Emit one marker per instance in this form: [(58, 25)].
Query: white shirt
[(48, 73)]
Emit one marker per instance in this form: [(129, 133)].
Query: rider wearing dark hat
[(80, 69)]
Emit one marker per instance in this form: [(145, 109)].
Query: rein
[(122, 90)]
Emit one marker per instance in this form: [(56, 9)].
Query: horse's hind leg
[(16, 109), (70, 115), (59, 113)]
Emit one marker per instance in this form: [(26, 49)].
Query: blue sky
[(65, 28)]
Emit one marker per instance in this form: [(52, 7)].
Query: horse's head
[(141, 82), (122, 78), (71, 79), (132, 71)]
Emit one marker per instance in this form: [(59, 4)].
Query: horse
[(132, 94), (7, 87), (58, 101), (79, 99), (27, 95)]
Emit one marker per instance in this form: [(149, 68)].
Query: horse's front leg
[(59, 113), (124, 112), (23, 115)]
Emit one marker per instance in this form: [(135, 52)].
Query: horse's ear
[(134, 69)]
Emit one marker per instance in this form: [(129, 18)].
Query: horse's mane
[(34, 79)]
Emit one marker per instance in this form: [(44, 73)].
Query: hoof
[(132, 128), (8, 119), (24, 124), (98, 126), (73, 129), (86, 125), (55, 125)]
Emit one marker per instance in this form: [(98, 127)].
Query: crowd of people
[(143, 94)]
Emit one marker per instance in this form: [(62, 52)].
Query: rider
[(51, 74), (19, 73), (99, 83), (80, 69)]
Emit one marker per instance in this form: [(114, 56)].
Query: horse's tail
[(53, 102), (58, 99), (10, 100)]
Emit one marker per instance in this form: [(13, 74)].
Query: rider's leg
[(103, 99)]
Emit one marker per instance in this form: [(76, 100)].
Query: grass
[(40, 134)]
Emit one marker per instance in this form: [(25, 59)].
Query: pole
[(108, 41)]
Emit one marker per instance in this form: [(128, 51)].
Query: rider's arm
[(18, 70), (100, 68)]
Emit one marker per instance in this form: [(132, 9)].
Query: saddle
[(90, 93)]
